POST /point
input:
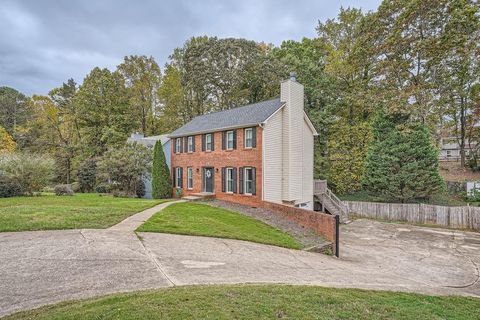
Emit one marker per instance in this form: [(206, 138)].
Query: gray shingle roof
[(242, 116)]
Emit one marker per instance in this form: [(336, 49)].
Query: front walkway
[(135, 221), (44, 267)]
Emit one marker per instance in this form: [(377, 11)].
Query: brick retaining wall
[(321, 223)]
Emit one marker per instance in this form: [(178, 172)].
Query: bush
[(75, 187), (121, 194), (103, 188), (63, 190), (9, 187), (31, 171), (86, 174), (124, 166), (139, 188)]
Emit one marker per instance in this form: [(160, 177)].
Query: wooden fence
[(453, 217)]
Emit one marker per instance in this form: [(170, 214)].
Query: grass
[(50, 212), (203, 220), (260, 302), (442, 199)]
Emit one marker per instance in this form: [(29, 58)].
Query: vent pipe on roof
[(293, 76)]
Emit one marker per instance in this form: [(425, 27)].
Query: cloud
[(44, 43)]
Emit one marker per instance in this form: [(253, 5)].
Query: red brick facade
[(321, 223), (218, 159)]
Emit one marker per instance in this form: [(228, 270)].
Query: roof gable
[(251, 114)]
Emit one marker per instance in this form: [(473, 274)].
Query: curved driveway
[(44, 267)]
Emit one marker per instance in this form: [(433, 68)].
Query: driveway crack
[(155, 262)]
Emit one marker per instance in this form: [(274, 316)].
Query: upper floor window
[(248, 138), (190, 146), (230, 140), (208, 142), (178, 145)]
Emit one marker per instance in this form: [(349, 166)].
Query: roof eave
[(214, 130)]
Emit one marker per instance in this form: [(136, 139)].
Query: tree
[(14, 111), (103, 111), (87, 174), (6, 141), (347, 152), (142, 78), (171, 95), (402, 162), (124, 166), (161, 184)]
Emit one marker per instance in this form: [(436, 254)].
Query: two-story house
[(258, 152)]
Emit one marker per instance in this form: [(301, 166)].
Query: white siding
[(272, 155), (292, 94), (307, 183)]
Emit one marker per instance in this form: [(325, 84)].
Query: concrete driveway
[(43, 267)]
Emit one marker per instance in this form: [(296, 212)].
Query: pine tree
[(402, 162), (161, 186)]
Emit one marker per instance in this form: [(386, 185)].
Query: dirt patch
[(452, 171), (305, 236)]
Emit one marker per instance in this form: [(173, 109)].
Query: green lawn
[(261, 302), (203, 220), (50, 212)]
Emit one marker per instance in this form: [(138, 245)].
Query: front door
[(208, 179)]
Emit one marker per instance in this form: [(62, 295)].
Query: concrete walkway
[(135, 221), (45, 267)]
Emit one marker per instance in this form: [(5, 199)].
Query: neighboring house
[(450, 149), (149, 142), (258, 152)]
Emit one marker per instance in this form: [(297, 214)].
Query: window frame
[(229, 171), (227, 138), (245, 138), (178, 145), (190, 144), (245, 181), (207, 149), (190, 178), (178, 177)]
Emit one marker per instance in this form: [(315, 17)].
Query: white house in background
[(450, 149), (149, 142)]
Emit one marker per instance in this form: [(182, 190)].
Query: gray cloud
[(43, 43)]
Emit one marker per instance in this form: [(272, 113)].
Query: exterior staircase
[(328, 201)]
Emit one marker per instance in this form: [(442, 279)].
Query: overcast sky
[(45, 42)]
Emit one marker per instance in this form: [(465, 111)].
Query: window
[(178, 175), (190, 178), (178, 145), (248, 181), (449, 153), (190, 144), (230, 180), (208, 142), (248, 138), (229, 140)]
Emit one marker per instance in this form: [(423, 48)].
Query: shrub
[(63, 190), (139, 188), (75, 187), (103, 188), (161, 186), (124, 166), (121, 194), (31, 171), (86, 174), (9, 187)]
